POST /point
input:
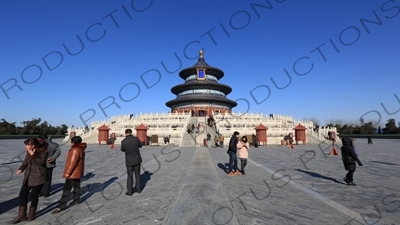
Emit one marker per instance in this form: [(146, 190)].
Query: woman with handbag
[(35, 170), (349, 158)]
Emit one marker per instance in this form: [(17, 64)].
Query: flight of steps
[(195, 139)]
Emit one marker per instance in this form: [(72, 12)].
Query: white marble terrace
[(174, 125)]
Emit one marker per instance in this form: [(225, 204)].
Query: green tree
[(367, 128), (32, 127), (346, 129), (390, 127), (7, 128), (63, 129)]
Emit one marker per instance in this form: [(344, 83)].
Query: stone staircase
[(196, 138), (190, 140), (212, 132)]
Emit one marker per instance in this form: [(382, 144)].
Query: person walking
[(53, 152), (255, 141), (369, 140), (232, 150), (130, 145), (34, 168), (73, 172), (291, 141), (349, 158), (216, 140), (221, 140), (243, 146)]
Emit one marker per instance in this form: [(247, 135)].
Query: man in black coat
[(349, 158), (53, 152), (130, 145)]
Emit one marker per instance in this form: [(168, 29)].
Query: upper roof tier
[(204, 84), (185, 73)]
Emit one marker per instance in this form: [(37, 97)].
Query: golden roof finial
[(201, 53)]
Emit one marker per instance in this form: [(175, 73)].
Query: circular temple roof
[(195, 84), (201, 64)]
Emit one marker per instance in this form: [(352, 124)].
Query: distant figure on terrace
[(216, 140), (369, 140), (211, 121), (221, 140)]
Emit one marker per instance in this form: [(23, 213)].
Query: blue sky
[(343, 57)]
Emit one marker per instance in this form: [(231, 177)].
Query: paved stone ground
[(281, 186)]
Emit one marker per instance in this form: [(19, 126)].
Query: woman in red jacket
[(73, 171), (35, 170)]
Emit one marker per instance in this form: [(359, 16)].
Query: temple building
[(201, 94), (199, 98)]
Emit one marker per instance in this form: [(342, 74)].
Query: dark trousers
[(129, 183), (233, 161), (23, 195), (243, 163), (46, 186), (349, 175), (69, 184)]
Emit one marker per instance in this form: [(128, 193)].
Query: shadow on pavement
[(144, 178), (223, 167), (317, 175), (93, 188), (13, 203)]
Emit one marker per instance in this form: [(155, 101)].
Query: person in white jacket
[(243, 154)]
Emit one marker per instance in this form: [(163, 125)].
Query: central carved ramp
[(201, 197)]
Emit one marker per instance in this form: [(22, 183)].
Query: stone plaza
[(189, 185), (185, 181)]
